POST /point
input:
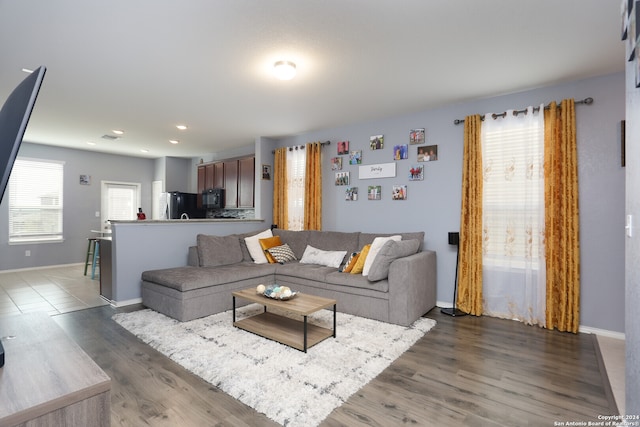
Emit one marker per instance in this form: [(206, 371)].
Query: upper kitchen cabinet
[(246, 182), (236, 176)]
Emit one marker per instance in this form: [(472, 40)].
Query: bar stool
[(90, 253), (96, 259)]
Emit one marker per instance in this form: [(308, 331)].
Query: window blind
[(36, 201)]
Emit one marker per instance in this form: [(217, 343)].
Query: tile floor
[(54, 290), (63, 289)]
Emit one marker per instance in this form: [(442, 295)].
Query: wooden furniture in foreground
[(294, 333), (47, 379)]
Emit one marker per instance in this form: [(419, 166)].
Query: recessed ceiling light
[(181, 127), (144, 150), (91, 143), (284, 70), (174, 141), (27, 70), (118, 131)]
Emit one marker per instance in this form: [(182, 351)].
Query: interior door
[(119, 201)]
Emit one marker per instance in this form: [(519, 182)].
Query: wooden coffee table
[(294, 333)]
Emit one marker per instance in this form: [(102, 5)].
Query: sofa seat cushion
[(189, 278), (313, 272), (356, 281)]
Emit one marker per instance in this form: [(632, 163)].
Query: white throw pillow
[(313, 255), (253, 244), (377, 244)]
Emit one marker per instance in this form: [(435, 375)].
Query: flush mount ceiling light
[(181, 127), (174, 141), (284, 70), (118, 131)]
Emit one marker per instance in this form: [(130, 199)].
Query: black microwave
[(213, 198)]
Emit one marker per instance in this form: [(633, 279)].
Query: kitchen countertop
[(185, 221)]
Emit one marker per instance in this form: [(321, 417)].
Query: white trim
[(42, 267), (603, 332), (124, 303)]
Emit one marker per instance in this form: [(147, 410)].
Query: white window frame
[(104, 200), (32, 187)]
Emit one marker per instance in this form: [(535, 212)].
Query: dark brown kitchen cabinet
[(231, 184), (236, 176), (246, 180), (218, 175)]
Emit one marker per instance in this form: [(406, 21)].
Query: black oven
[(213, 198)]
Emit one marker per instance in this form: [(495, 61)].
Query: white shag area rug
[(289, 386)]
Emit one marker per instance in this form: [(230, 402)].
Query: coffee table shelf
[(295, 333)]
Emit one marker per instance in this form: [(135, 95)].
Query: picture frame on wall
[(416, 173), (374, 192), (399, 192), (342, 178), (85, 179), (417, 136), (428, 153), (376, 142), (351, 194), (400, 152), (355, 157), (336, 163), (266, 172), (632, 37), (624, 17), (343, 147)]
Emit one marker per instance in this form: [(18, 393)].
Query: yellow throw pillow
[(268, 243), (351, 262), (357, 269)]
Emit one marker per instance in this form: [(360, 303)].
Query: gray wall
[(433, 205), (81, 202), (632, 257)]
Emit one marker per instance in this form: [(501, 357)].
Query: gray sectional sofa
[(403, 290)]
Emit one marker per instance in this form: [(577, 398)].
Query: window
[(296, 164), (35, 201), (513, 190)]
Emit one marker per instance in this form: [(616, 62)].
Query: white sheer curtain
[(296, 161), (513, 216)]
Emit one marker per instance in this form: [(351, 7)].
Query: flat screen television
[(14, 117)]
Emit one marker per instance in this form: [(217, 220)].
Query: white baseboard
[(603, 332), (41, 267), (442, 304), (126, 302), (583, 329)]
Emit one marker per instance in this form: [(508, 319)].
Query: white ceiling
[(146, 65)]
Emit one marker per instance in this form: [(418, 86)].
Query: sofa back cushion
[(367, 238), (389, 252), (334, 240), (218, 250), (297, 240)]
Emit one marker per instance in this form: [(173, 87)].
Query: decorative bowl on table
[(278, 292)]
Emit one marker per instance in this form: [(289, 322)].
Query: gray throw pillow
[(218, 250), (389, 252), (282, 253)]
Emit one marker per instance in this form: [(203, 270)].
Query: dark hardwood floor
[(467, 371)]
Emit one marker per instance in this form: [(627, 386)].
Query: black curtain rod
[(301, 147), (587, 101)]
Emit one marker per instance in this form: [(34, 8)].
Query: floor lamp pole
[(454, 239)]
